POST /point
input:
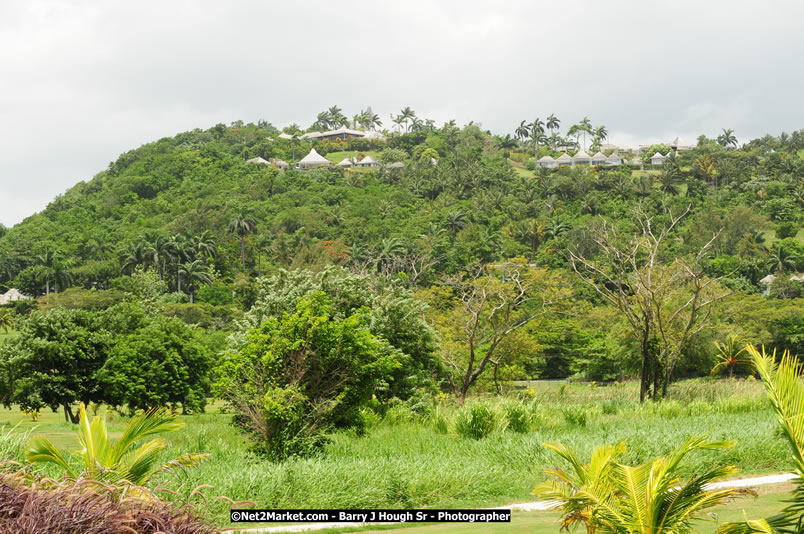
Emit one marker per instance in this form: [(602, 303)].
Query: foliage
[(164, 363), (393, 315), (782, 381), (117, 460), (82, 505), (476, 421), (606, 496), (304, 375)]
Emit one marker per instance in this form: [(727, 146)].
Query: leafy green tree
[(112, 461), (484, 308), (394, 315), (163, 363), (54, 361), (607, 497), (304, 375)]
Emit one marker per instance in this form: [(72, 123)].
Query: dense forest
[(214, 230)]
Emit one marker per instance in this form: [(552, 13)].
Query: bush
[(517, 417), (71, 506), (575, 416), (786, 229), (304, 375), (476, 421)]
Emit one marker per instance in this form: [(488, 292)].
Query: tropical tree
[(487, 306), (205, 244), (454, 222), (727, 138), (608, 497), (523, 130), (242, 225), (585, 127), (54, 268), (6, 319), (728, 355), (406, 115), (195, 272), (781, 259), (555, 229), (112, 461), (552, 122), (537, 134)]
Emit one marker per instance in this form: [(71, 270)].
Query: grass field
[(410, 460)]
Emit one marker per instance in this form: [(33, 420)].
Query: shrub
[(304, 375), (476, 421), (69, 507), (516, 417), (786, 229), (575, 415)]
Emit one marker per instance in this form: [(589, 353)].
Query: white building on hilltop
[(313, 159), (11, 295)]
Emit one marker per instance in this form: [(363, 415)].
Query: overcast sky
[(81, 82)]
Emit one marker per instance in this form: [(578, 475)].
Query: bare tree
[(489, 304), (665, 303)]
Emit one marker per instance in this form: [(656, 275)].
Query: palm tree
[(54, 268), (195, 272), (783, 385), (585, 127), (205, 244), (644, 185), (110, 460), (406, 115), (552, 122), (99, 246), (131, 255), (537, 134), (507, 142), (454, 222), (556, 229), (522, 131), (729, 356), (6, 319), (781, 260), (161, 249), (323, 120), (668, 182), (727, 138), (606, 496), (242, 225)]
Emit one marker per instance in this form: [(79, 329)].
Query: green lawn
[(7, 335)]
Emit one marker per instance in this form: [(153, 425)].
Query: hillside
[(191, 203)]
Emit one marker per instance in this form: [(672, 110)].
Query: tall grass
[(410, 458)]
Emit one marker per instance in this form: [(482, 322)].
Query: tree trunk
[(69, 415), (243, 252), (644, 377), (191, 296)]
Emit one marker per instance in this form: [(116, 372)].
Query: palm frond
[(40, 449), (155, 421)]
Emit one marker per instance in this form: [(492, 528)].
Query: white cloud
[(84, 81)]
